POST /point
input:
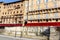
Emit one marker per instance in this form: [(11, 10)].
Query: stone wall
[(54, 35)]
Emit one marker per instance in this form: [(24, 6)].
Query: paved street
[(2, 37)]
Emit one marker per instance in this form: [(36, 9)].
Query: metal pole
[(48, 37), (27, 17), (59, 35), (49, 34), (15, 33)]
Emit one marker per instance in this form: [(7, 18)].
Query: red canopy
[(10, 25), (44, 24), (56, 24)]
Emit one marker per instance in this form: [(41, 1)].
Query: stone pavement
[(3, 37)]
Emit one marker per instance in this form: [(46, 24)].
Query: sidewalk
[(3, 37)]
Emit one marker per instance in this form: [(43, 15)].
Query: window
[(8, 12), (20, 11), (21, 4), (53, 0), (15, 6), (46, 16), (3, 20), (30, 21), (3, 13), (38, 7), (38, 2), (56, 15), (14, 12), (18, 5), (38, 16), (41, 20), (38, 20), (56, 20), (30, 17), (4, 7), (46, 1), (55, 4), (46, 6), (0, 7), (46, 20), (8, 6), (49, 19), (17, 11)]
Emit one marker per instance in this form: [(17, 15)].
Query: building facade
[(43, 11), (12, 13), (32, 11)]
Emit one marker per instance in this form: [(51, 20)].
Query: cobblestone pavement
[(2, 37)]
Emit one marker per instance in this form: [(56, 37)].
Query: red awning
[(56, 24), (44, 24), (10, 25)]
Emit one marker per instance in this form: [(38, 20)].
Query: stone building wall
[(54, 35)]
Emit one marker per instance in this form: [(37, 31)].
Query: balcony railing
[(52, 10)]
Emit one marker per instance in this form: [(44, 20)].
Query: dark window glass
[(21, 4), (0, 7), (20, 11), (56, 20), (46, 20), (17, 11), (5, 13)]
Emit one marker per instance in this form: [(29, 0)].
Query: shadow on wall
[(46, 33), (2, 29)]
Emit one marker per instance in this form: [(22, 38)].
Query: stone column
[(38, 30)]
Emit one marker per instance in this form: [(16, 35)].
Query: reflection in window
[(46, 1)]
